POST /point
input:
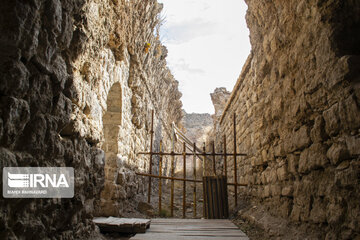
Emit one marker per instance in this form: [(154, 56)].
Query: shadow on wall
[(36, 50)]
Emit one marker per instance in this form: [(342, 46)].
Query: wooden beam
[(213, 158), (165, 177), (184, 182), (160, 179), (151, 153), (235, 165), (172, 186), (189, 154), (194, 186), (225, 159)]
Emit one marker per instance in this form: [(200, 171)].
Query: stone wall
[(78, 82), (297, 105), (198, 126), (219, 98)]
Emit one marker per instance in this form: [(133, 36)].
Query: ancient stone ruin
[(297, 106), (79, 81)]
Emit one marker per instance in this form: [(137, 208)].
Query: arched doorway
[(112, 120)]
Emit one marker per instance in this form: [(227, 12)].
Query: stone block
[(120, 178), (275, 189), (118, 192), (285, 208), (282, 173), (59, 74), (251, 179), (279, 150), (8, 159), (242, 180), (287, 191), (313, 157), (273, 175), (318, 211), (258, 161), (263, 178), (266, 175), (318, 133), (349, 113), (54, 15), (264, 155), (346, 176), (301, 138), (353, 145), (253, 161), (295, 213), (332, 121), (343, 165), (334, 212), (293, 162), (145, 208), (277, 108), (266, 192), (108, 208), (62, 108), (14, 79), (337, 153), (15, 115), (338, 72)]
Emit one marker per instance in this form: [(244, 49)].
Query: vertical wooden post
[(214, 159), (204, 165), (172, 185), (172, 175), (204, 185), (160, 174), (151, 153), (184, 182), (235, 166), (225, 157), (194, 189)]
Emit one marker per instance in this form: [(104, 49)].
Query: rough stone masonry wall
[(297, 103), (77, 87)]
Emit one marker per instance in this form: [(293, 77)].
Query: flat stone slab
[(191, 229), (122, 225)]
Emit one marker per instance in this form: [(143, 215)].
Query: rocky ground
[(258, 224)]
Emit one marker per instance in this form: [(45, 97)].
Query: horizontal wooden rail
[(171, 178), (181, 179), (190, 154)]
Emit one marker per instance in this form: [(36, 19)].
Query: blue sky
[(208, 43)]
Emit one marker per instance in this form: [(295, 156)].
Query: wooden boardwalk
[(191, 229)]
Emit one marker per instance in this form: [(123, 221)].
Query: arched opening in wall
[(111, 124), (112, 119)]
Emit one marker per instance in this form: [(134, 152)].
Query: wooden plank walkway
[(191, 229), (122, 225)]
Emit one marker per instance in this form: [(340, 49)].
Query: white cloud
[(184, 31), (181, 65), (208, 44)]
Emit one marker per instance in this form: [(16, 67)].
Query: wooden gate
[(215, 197), (214, 186)]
